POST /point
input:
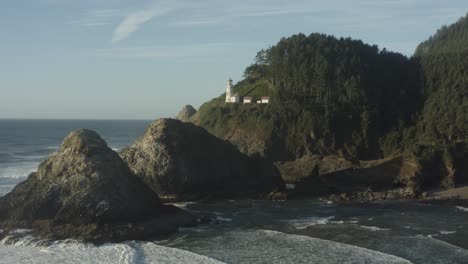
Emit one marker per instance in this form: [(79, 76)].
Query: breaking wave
[(75, 252), (265, 246)]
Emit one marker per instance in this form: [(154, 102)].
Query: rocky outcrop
[(359, 177), (297, 170), (391, 178), (86, 191), (183, 161), (186, 113)]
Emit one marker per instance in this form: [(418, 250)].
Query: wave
[(461, 208), (183, 205), (445, 232), (265, 246), (56, 147), (75, 252), (373, 228), (303, 223), (8, 183), (18, 170), (11, 176)]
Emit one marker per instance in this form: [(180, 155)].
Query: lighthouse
[(229, 91), (231, 97)]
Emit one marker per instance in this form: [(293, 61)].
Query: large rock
[(181, 160), (186, 113), (86, 191)]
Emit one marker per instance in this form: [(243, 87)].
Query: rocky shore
[(89, 192), (85, 191)]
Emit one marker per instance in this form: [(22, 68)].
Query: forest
[(344, 97), (394, 99)]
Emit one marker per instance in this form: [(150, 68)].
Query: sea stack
[(86, 191), (186, 113), (183, 161)]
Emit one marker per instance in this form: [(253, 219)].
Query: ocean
[(244, 231)]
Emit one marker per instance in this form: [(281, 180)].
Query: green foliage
[(255, 89), (341, 96), (444, 67), (354, 91), (222, 119)]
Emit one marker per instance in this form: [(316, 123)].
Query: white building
[(235, 98), (232, 97)]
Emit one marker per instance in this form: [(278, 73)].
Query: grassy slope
[(222, 117), (250, 125)]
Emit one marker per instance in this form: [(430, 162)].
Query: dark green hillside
[(328, 95), (342, 97), (444, 63)]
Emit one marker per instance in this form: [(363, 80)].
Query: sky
[(146, 59)]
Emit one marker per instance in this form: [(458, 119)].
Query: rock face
[(181, 160), (86, 191), (297, 170), (186, 113)]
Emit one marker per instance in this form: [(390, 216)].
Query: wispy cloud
[(133, 21)]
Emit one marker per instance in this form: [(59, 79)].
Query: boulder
[(86, 191), (183, 161), (186, 113)]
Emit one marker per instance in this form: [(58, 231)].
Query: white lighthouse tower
[(229, 91), (230, 96)]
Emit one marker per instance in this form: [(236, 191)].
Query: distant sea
[(242, 231)]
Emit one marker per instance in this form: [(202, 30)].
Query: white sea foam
[(445, 232), (74, 252), (7, 184), (461, 208), (30, 157), (183, 205), (223, 219), (303, 223), (18, 170), (373, 228), (53, 147)]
